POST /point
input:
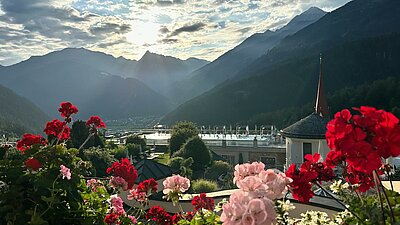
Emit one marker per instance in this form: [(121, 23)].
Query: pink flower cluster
[(65, 172), (117, 213), (247, 169), (95, 185), (264, 183), (245, 209), (117, 205), (176, 184), (253, 204), (119, 183)]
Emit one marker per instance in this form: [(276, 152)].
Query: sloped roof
[(215, 156), (151, 169), (311, 127)]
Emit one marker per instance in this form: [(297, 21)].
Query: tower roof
[(321, 104), (311, 127), (314, 125)]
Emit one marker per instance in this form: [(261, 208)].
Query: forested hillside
[(18, 115), (293, 83)]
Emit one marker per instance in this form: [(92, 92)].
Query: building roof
[(151, 169), (310, 127)]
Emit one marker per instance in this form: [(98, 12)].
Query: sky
[(181, 28)]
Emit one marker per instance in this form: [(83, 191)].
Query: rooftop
[(150, 169), (310, 127)]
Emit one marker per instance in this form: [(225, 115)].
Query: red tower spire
[(321, 104)]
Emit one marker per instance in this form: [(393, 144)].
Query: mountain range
[(269, 78), (90, 80), (359, 43), (238, 58)]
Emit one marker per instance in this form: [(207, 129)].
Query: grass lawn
[(164, 158)]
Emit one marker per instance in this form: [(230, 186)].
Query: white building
[(307, 136)]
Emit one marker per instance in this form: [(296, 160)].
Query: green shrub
[(100, 159), (196, 149), (180, 133), (183, 165), (204, 186), (217, 169), (120, 152), (133, 150), (137, 140)]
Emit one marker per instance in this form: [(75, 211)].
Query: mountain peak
[(150, 56), (313, 10)]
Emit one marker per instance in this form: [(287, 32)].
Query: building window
[(229, 158), (270, 162), (307, 149)]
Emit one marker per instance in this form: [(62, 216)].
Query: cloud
[(107, 28), (164, 30), (169, 2), (130, 27), (188, 28), (169, 40)]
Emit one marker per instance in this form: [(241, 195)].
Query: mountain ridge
[(18, 115), (227, 65), (257, 87), (93, 91)]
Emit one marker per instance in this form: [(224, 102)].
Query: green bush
[(183, 165), (217, 169), (137, 140), (79, 133), (100, 159), (133, 150), (181, 132), (196, 149), (204, 186), (120, 152)]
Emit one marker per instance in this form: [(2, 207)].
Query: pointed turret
[(321, 104)]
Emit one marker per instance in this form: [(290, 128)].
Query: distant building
[(307, 136)]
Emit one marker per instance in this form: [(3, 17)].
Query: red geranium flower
[(125, 170), (333, 158), (33, 164), (28, 140), (176, 218), (364, 181), (96, 122), (111, 219), (311, 171), (159, 216), (147, 186), (203, 202), (55, 128), (189, 215), (316, 171), (67, 109), (301, 185), (362, 141)]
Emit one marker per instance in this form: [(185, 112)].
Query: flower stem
[(50, 205), (375, 177), (341, 203), (87, 139), (386, 197), (59, 135), (391, 181)]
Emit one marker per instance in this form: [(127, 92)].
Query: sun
[(143, 33)]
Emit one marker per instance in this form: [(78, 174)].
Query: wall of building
[(251, 154), (294, 149)]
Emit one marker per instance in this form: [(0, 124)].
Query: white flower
[(338, 186)]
